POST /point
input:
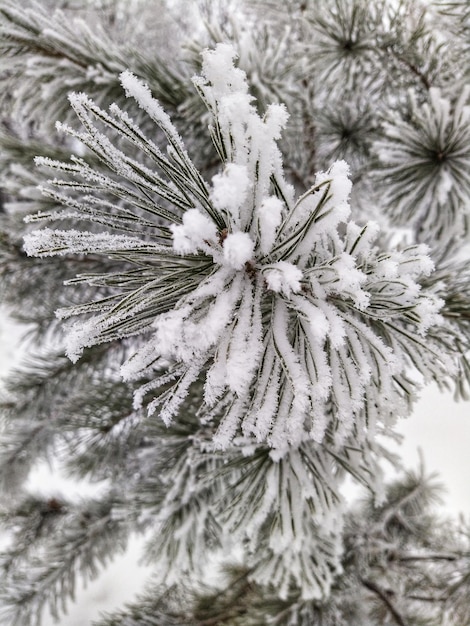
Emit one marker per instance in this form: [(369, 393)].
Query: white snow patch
[(283, 277), (230, 189), (269, 219), (238, 249), (196, 232)]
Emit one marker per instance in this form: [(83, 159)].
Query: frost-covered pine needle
[(298, 325)]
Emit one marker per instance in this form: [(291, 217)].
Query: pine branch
[(273, 337), (384, 595), (86, 536), (59, 54), (36, 411)]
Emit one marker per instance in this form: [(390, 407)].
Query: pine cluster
[(238, 235)]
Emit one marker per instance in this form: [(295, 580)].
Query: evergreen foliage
[(238, 234)]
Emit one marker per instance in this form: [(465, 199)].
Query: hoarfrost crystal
[(295, 323)]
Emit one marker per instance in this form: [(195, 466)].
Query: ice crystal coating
[(238, 249), (196, 233), (229, 190), (297, 324), (426, 165)]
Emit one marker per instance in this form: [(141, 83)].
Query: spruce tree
[(238, 231)]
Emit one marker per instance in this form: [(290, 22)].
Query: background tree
[(237, 281)]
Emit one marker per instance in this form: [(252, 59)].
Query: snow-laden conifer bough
[(305, 335), (292, 317)]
